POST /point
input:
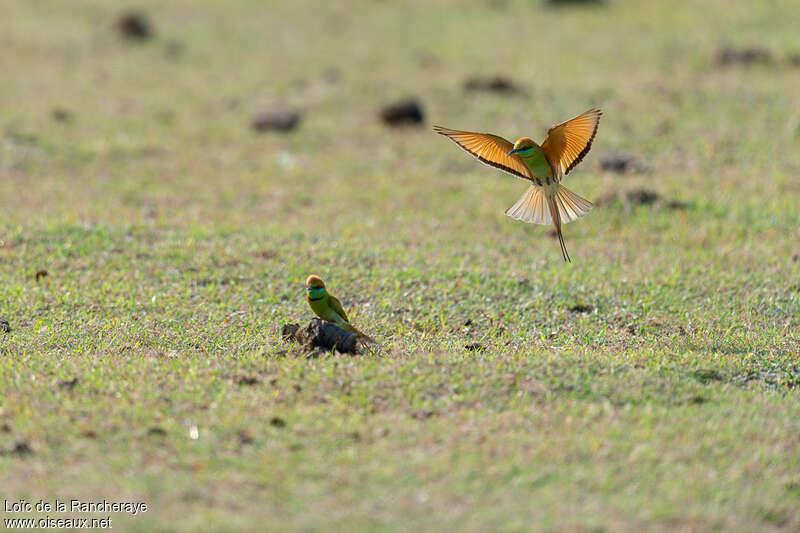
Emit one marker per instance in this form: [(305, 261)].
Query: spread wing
[(489, 149), (568, 142), (336, 305)]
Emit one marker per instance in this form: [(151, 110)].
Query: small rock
[(60, 114), (134, 26), (728, 55), (404, 113), (497, 84), (282, 119), (5, 327), (620, 163), (642, 197)]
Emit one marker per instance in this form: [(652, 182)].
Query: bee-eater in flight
[(546, 200), (328, 307)]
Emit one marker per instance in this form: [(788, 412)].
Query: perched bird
[(327, 307), (546, 200)]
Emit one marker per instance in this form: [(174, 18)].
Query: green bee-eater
[(328, 307), (546, 200)]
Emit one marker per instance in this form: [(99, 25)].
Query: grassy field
[(651, 384)]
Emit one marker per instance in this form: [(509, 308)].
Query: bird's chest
[(539, 166)]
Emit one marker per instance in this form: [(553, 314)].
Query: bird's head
[(315, 287), (523, 146)]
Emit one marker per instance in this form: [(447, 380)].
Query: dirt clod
[(288, 331), (728, 55), (495, 84), (406, 112), (620, 163), (282, 119), (21, 449), (246, 381), (642, 197), (677, 205), (68, 384), (244, 438), (134, 26), (320, 334), (60, 114)]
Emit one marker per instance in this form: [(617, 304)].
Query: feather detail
[(567, 143), (489, 149)]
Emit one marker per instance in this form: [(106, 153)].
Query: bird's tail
[(544, 206), (360, 334), (555, 214)]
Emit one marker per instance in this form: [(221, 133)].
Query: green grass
[(176, 241)]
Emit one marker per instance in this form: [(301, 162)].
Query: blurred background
[(148, 113)]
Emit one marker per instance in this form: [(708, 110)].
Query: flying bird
[(328, 307), (546, 200)]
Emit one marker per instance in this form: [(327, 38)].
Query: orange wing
[(568, 142), (489, 149)]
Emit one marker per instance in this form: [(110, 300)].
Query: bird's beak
[(514, 151)]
